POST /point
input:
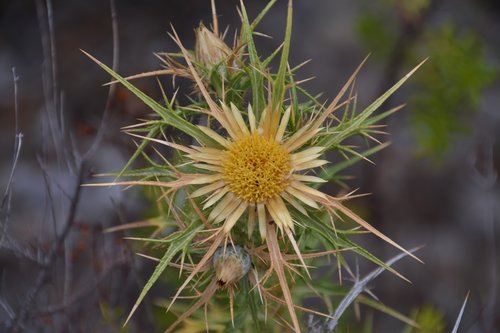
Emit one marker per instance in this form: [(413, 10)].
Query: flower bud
[(230, 264), (210, 50)]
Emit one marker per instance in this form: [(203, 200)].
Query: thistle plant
[(241, 204)]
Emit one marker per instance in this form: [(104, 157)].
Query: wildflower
[(255, 166), (249, 169), (256, 170)]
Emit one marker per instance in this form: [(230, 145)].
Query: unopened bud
[(210, 50), (230, 264)]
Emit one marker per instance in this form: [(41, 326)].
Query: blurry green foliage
[(377, 34), (429, 319), (112, 316), (448, 88), (410, 9)]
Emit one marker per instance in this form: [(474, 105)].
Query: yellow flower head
[(258, 169)]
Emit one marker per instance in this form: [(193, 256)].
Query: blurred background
[(434, 185)]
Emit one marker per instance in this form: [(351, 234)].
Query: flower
[(248, 169), (281, 176), (258, 169)]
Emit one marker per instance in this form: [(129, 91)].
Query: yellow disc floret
[(257, 168)]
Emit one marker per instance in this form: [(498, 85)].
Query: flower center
[(256, 168)]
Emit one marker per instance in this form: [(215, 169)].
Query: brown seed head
[(230, 264)]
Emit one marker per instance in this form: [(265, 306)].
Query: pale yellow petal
[(214, 135), (302, 197), (283, 124), (309, 165), (251, 119), (209, 167), (211, 151), (261, 213), (300, 132), (262, 121), (283, 211), (271, 123), (307, 178), (294, 203), (234, 217), (308, 190), (274, 215), (221, 206), (275, 120), (216, 196), (300, 138), (304, 159), (211, 155), (234, 204), (252, 220), (207, 189), (231, 126), (239, 120), (312, 151), (205, 179), (208, 158), (280, 214)]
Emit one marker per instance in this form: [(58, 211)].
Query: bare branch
[(7, 308), (6, 200), (79, 295), (17, 321), (329, 325), (66, 154), (459, 318), (112, 88)]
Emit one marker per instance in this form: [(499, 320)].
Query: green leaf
[(151, 134), (338, 240), (167, 115), (448, 90), (377, 118), (147, 172), (178, 241), (385, 309), (345, 130), (252, 304), (279, 82), (263, 13), (377, 33), (331, 171), (429, 319), (267, 61), (296, 111), (345, 242), (256, 79)]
